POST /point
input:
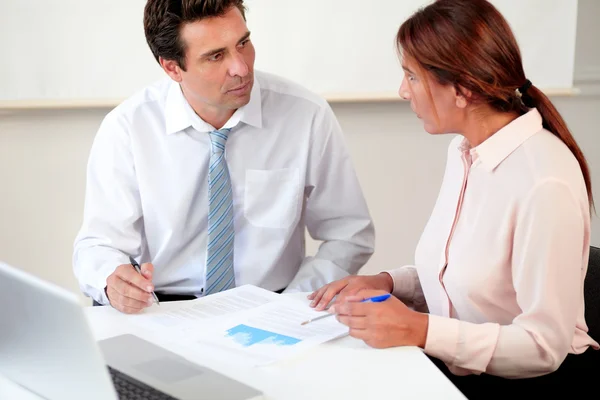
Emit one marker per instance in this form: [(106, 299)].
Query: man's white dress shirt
[(147, 186)]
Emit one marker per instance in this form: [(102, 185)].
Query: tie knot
[(218, 139)]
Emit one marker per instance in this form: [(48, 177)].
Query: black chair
[(591, 292)]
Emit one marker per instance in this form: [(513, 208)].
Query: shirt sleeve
[(407, 286), (548, 252), (336, 212), (112, 220)]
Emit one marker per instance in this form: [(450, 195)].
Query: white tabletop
[(344, 368)]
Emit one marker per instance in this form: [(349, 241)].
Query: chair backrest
[(592, 294)]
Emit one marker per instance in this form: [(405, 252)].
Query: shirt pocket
[(271, 197)]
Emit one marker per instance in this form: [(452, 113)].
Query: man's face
[(219, 61)]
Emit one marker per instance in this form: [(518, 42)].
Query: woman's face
[(443, 110)]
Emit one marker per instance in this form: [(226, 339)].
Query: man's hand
[(386, 324), (349, 286), (128, 291)]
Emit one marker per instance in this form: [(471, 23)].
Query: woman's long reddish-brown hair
[(469, 44)]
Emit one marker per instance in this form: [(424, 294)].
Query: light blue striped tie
[(219, 255)]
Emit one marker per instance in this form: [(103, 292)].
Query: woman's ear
[(462, 96)]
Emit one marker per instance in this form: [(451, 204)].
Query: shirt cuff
[(442, 338), (465, 347), (101, 296), (93, 280), (406, 281), (313, 274)]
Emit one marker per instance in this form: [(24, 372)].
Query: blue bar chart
[(247, 336)]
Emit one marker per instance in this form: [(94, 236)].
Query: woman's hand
[(386, 324), (349, 286)]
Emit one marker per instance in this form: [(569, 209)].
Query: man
[(210, 177)]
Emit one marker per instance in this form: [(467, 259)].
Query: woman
[(497, 285)]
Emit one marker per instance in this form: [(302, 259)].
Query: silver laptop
[(47, 347)]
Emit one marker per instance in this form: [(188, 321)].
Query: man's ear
[(172, 68), (462, 96)]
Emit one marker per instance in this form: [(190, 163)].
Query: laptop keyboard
[(129, 388)]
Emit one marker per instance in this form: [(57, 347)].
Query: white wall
[(43, 155), (286, 45)]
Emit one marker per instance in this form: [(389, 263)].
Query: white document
[(192, 314), (270, 332), (260, 325)]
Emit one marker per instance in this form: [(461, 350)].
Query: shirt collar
[(179, 115), (500, 145)]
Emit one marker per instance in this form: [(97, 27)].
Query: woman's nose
[(403, 91)]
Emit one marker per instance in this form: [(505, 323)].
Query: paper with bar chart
[(272, 331), (259, 324)]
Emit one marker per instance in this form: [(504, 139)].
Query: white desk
[(344, 368)]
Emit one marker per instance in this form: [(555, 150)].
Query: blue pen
[(377, 299), (374, 299)]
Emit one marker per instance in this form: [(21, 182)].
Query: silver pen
[(374, 299), (317, 318), (139, 270)]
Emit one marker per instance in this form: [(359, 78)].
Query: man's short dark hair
[(163, 20)]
